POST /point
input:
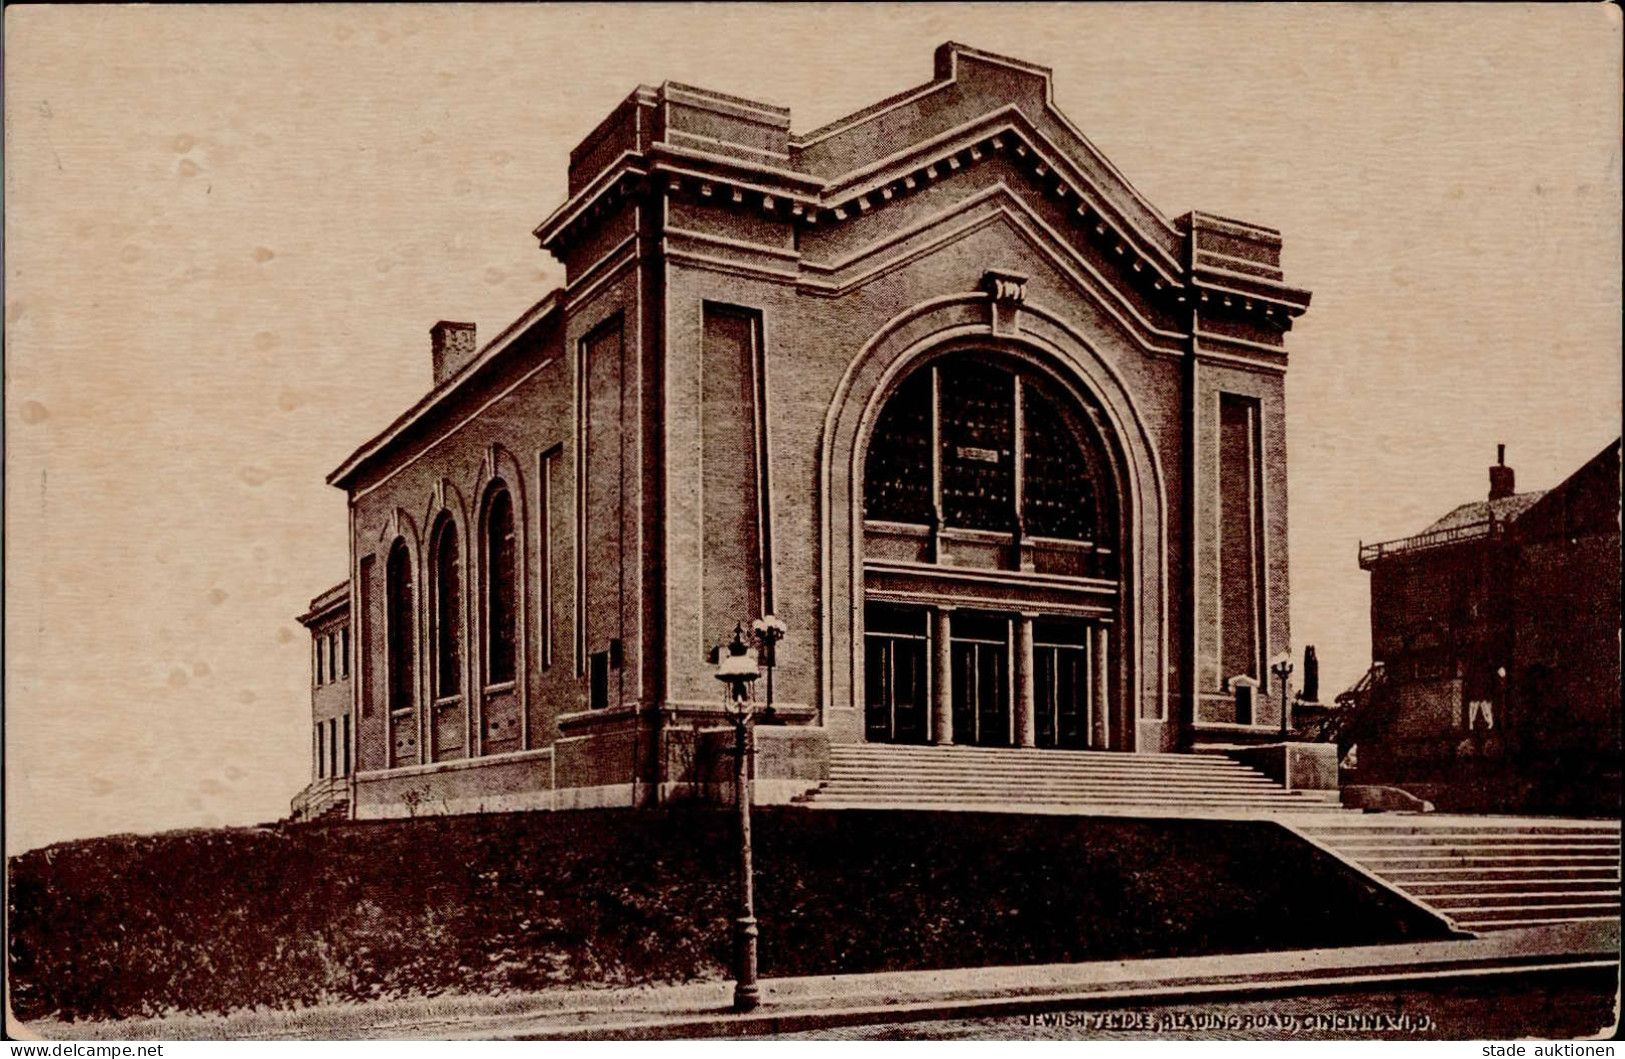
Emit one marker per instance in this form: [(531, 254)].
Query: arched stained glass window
[(956, 429), (447, 604), (402, 635), (500, 590)]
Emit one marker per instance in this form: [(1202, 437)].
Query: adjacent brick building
[(332, 698), (1497, 634), (1001, 443)]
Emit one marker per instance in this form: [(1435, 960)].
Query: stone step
[(1405, 876), (891, 773), (1489, 860), (1468, 918), (1512, 888), (1033, 768), (1115, 792), (1096, 797), (890, 776), (1101, 807), (1355, 826), (1510, 845), (1518, 924), (1527, 899)]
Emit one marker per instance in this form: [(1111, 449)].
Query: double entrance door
[(904, 664)]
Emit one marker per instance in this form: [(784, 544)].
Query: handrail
[(318, 796)]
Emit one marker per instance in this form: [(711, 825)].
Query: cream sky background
[(229, 229)]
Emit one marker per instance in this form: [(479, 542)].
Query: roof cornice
[(493, 350)]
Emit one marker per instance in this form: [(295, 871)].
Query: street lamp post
[(737, 669), (1282, 668)]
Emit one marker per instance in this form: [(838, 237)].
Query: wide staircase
[(874, 776), (1484, 873)]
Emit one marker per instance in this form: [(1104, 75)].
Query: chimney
[(1500, 475), (453, 346)]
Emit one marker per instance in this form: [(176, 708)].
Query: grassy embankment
[(229, 919)]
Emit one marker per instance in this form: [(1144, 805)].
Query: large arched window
[(968, 442), (500, 590), (448, 656), (400, 617)]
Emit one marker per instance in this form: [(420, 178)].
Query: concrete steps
[(1488, 873), (1008, 779)]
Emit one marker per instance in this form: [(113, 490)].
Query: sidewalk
[(814, 1003)]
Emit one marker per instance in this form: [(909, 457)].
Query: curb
[(788, 1019)]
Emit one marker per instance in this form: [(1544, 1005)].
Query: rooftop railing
[(1373, 553)]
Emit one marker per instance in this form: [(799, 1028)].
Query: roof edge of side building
[(493, 351), (327, 603)]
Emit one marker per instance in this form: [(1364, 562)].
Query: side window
[(400, 616), (500, 590)]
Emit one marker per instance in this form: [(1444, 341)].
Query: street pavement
[(990, 1001)]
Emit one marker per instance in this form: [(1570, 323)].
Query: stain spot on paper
[(201, 669), (462, 187), (288, 400), (265, 340), (34, 412), (283, 635), (494, 276), (262, 254), (101, 787), (246, 696), (255, 476), (217, 596), (183, 142), (178, 677), (188, 168)]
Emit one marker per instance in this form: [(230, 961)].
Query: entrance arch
[(916, 584), (992, 574)]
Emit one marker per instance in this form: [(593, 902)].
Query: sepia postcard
[(813, 521)]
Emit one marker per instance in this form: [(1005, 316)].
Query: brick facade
[(1498, 633)]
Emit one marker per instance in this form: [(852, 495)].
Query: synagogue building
[(1001, 443)]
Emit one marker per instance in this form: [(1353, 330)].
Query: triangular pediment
[(979, 111), (974, 90)]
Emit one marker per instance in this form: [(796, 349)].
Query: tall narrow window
[(500, 609), (332, 746), (346, 771), (447, 605), (544, 505), (402, 636), (332, 657), (321, 750), (344, 650), (321, 664)]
